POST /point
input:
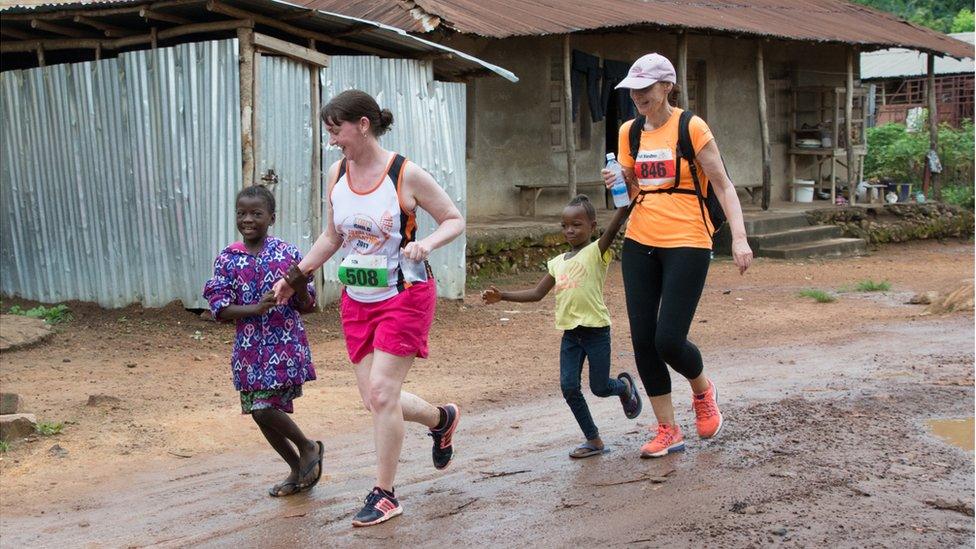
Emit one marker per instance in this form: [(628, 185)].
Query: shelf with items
[(818, 137)]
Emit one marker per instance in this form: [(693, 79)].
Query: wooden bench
[(754, 190), (529, 193)]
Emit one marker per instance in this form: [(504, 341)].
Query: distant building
[(898, 77)]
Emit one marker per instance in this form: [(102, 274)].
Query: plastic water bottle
[(619, 188)]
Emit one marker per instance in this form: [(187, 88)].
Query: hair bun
[(582, 197), (386, 119)]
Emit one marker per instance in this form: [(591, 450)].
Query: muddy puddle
[(955, 431)]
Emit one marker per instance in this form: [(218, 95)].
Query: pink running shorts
[(399, 325)]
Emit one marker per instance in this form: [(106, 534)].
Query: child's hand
[(491, 295), (296, 278), (267, 302)]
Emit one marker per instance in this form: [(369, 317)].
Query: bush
[(896, 154)]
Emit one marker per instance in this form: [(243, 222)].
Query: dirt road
[(827, 440)]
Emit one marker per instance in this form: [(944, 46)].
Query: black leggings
[(662, 287)]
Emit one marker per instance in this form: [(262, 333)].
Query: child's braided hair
[(584, 201), (261, 192)]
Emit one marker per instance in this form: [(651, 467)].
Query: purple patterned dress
[(271, 354)]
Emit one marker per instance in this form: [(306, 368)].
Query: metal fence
[(428, 128), (118, 176)]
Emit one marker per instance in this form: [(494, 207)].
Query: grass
[(48, 428), (4, 446), (52, 315), (872, 286), (819, 295)]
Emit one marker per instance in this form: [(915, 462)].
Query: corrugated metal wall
[(428, 128), (283, 142), (118, 176)]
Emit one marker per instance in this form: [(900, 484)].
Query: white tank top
[(374, 223)]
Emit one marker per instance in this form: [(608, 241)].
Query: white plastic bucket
[(803, 190)]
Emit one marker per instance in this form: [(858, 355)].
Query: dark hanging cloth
[(613, 73), (585, 68)]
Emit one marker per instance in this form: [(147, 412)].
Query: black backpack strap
[(635, 135), (686, 150), (342, 169)]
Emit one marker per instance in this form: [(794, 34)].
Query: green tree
[(963, 22), (935, 14)]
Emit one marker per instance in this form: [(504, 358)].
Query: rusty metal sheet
[(808, 20)]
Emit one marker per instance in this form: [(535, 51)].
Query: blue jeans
[(579, 344)]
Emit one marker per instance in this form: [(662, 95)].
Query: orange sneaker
[(668, 440), (708, 419)]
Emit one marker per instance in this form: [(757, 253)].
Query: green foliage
[(872, 286), (48, 428), (942, 16), (819, 295), (4, 446), (959, 195), (963, 22), (52, 315), (895, 153)]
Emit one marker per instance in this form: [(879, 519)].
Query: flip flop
[(586, 450), (278, 490), (308, 469), (633, 396)]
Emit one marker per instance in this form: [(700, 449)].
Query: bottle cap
[(611, 156)]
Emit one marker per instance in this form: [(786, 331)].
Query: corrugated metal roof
[(358, 30), (807, 20), (899, 62)]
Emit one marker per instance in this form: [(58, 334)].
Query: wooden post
[(933, 126), (683, 70), (317, 182), (848, 128), (763, 127), (245, 48), (40, 56), (154, 37), (570, 138)]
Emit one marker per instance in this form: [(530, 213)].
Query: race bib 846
[(654, 168)]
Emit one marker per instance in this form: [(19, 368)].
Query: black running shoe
[(631, 401), (443, 449), (379, 508)]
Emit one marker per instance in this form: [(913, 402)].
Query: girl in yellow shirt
[(578, 277)]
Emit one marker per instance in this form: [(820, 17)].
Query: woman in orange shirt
[(667, 249)]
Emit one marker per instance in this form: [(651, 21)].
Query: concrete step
[(810, 233), (832, 247), (773, 223)]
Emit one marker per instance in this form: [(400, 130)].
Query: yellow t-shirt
[(579, 288), (666, 220)]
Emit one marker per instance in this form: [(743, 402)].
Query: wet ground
[(835, 414), (827, 442)]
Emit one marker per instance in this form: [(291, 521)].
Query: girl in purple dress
[(271, 358)]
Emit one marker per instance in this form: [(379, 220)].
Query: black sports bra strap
[(342, 169)]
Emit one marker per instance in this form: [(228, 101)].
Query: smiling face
[(651, 98), (577, 226), (254, 217), (348, 136)]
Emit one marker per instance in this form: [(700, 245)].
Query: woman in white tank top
[(388, 303)]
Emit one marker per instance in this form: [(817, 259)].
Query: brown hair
[(352, 105)]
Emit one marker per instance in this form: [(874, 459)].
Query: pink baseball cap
[(648, 70)]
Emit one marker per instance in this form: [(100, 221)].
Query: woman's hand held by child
[(491, 295), (282, 291)]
